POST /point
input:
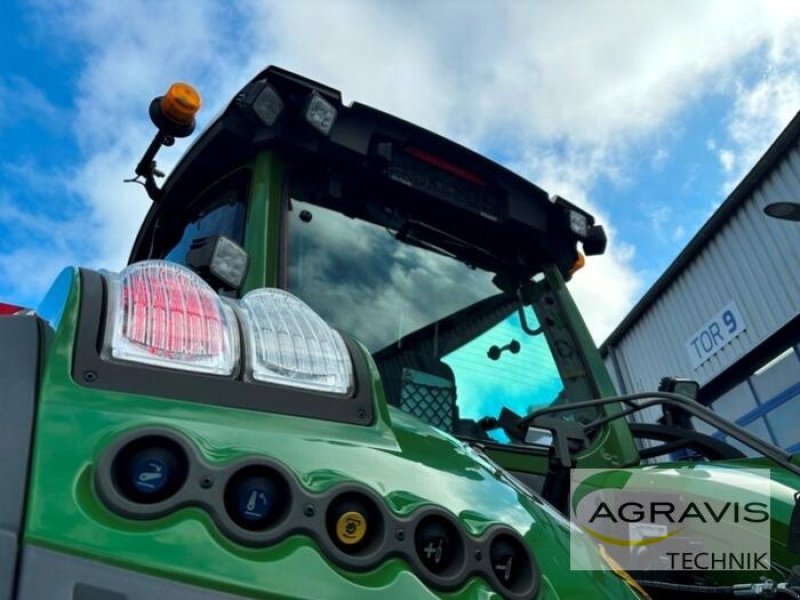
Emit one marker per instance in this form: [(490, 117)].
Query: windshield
[(364, 281), (449, 344)]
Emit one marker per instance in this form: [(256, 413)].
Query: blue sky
[(646, 113)]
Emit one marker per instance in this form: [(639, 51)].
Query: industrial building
[(726, 312)]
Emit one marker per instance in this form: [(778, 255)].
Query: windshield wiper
[(403, 235), (422, 235)]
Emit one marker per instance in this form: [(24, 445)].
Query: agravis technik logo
[(695, 518)]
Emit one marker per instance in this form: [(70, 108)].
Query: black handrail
[(766, 449)]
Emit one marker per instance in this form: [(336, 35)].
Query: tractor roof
[(384, 159)]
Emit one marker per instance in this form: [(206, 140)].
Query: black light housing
[(674, 415), (150, 469), (595, 241), (257, 497), (581, 225), (262, 102), (512, 566), (354, 523), (439, 545), (680, 385), (786, 211), (221, 258)]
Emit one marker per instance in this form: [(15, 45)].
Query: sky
[(645, 113)]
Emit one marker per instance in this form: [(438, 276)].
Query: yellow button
[(351, 527)]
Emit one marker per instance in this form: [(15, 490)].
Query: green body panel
[(615, 446), (783, 486), (406, 462), (262, 229)]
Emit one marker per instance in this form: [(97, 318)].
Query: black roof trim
[(787, 138), (455, 192)]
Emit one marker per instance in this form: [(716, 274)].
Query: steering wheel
[(679, 438)]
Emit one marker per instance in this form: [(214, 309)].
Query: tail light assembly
[(159, 329), (163, 314)]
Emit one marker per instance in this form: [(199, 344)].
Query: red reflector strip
[(444, 165), (9, 309)]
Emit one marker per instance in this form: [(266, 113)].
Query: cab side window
[(220, 210)]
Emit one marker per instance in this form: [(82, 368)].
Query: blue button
[(150, 475), (255, 502)]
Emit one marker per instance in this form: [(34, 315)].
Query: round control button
[(150, 469), (354, 523), (505, 562), (351, 527), (438, 544), (510, 564), (255, 497), (150, 474)]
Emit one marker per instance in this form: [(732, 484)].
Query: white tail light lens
[(163, 314), (290, 344)]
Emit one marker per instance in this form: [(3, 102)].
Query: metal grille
[(428, 397)]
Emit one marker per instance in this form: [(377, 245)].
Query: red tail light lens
[(165, 315)]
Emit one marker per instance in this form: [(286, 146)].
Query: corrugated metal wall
[(753, 260)]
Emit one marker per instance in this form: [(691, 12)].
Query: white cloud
[(23, 259), (727, 159), (132, 55), (766, 102), (592, 72), (562, 91), (566, 91), (659, 216), (659, 158), (20, 99), (761, 111), (606, 288)]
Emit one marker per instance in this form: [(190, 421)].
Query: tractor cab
[(447, 267)]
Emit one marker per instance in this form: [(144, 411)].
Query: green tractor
[(341, 363)]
